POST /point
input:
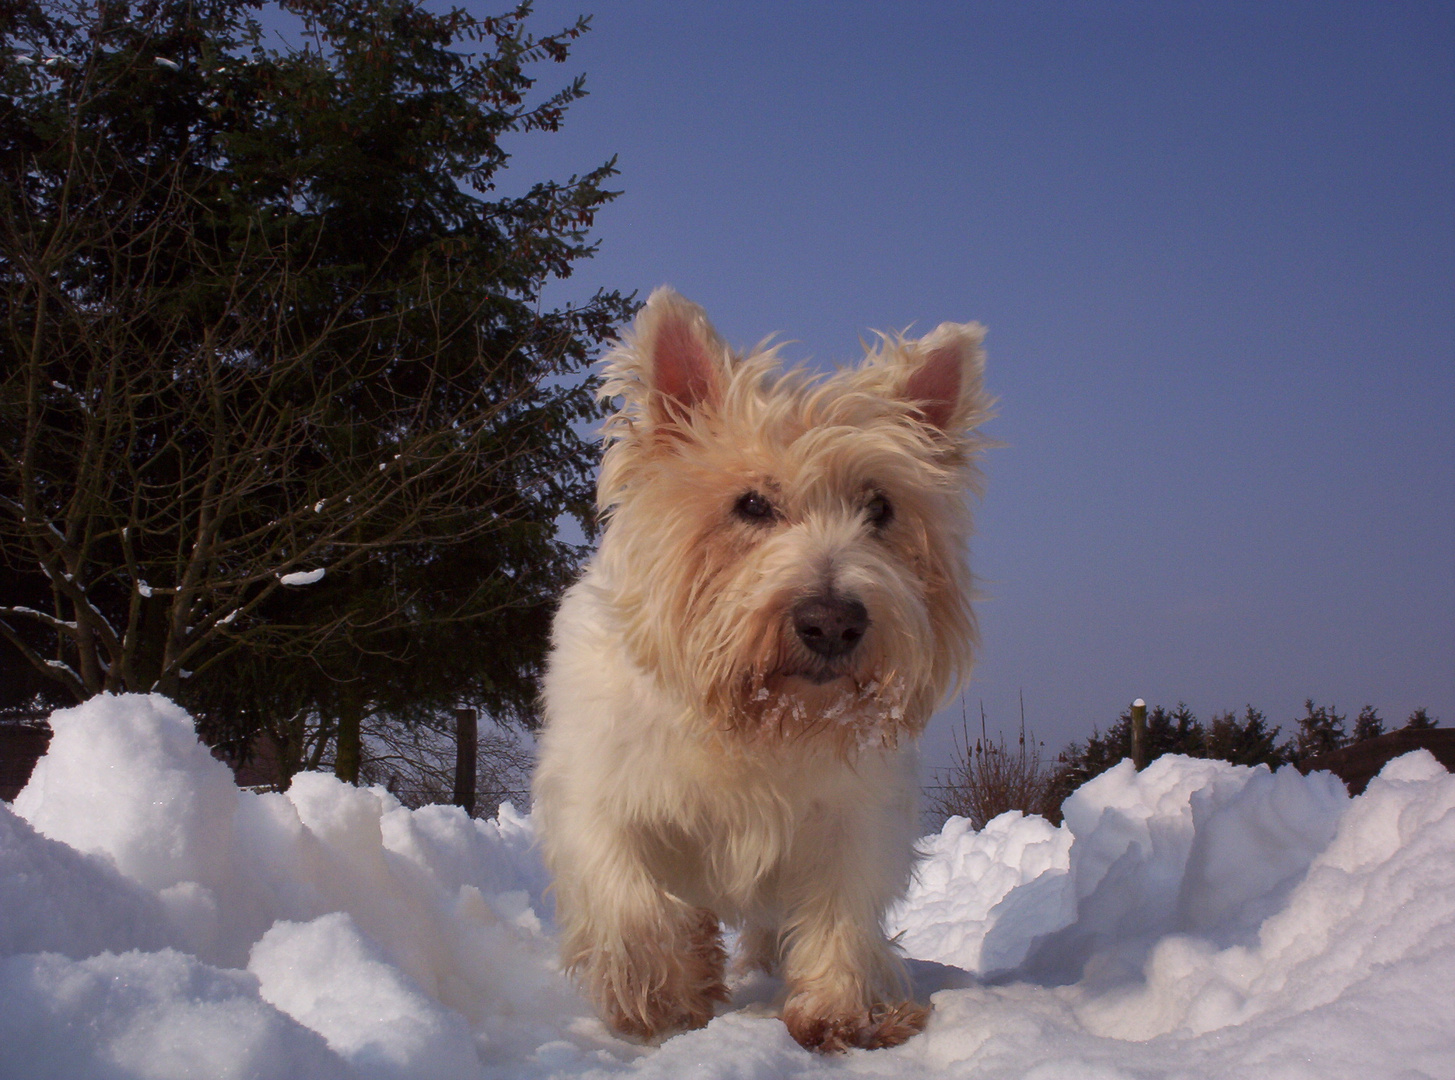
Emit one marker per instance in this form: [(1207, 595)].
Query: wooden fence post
[(1139, 734)]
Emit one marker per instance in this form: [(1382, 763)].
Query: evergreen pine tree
[(1420, 720), (285, 426), (1320, 730), (1245, 742), (1182, 733), (1367, 725)]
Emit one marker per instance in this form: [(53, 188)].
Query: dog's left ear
[(945, 380)]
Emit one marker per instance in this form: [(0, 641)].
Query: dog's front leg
[(846, 986), (651, 963)]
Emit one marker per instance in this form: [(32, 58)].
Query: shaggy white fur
[(779, 602)]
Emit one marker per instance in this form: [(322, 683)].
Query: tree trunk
[(350, 737), (466, 742)]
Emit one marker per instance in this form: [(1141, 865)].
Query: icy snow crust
[(1196, 920)]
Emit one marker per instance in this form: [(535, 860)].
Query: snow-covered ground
[(1196, 920)]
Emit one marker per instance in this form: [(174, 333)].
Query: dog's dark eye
[(880, 511), (752, 507)]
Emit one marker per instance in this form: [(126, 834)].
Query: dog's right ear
[(945, 381), (679, 357)]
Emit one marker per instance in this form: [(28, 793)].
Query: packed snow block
[(126, 779), (1134, 834), (1251, 848), (431, 891), (496, 856), (1185, 845), (446, 902), (156, 1015), (979, 899), (333, 980), (1361, 952), (1223, 921), (125, 776), (53, 898)]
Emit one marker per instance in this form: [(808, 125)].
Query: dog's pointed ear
[(680, 357), (947, 368)]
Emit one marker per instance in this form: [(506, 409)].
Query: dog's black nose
[(830, 625)]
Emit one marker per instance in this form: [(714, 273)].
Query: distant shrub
[(989, 778), (1420, 720)]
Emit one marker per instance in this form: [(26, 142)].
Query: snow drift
[(1196, 919)]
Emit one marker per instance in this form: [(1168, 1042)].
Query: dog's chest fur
[(713, 821)]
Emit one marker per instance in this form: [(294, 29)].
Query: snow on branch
[(303, 577), (49, 620)]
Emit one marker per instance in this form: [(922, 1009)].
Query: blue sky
[(1214, 245)]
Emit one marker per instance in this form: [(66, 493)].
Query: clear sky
[(1214, 245)]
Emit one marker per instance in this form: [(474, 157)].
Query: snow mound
[(1194, 920), (1020, 867)]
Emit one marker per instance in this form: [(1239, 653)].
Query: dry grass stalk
[(989, 778)]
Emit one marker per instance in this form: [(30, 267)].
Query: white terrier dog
[(779, 602)]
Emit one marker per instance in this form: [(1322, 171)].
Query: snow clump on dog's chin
[(843, 714)]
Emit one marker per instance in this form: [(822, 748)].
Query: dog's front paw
[(653, 1017), (874, 1028), (662, 986)]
